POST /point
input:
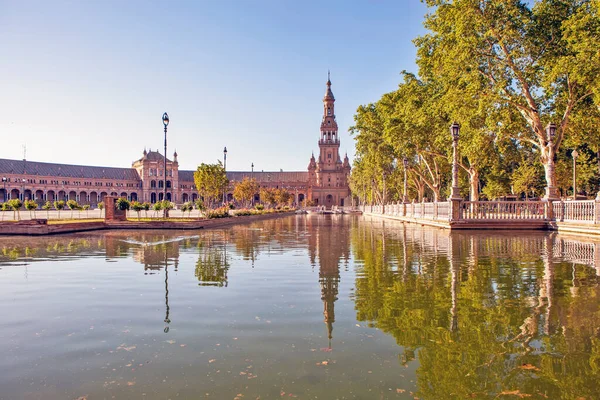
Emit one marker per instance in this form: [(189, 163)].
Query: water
[(308, 307)]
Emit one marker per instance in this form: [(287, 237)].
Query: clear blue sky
[(86, 82)]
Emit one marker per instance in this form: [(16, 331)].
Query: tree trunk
[(474, 184), (547, 156)]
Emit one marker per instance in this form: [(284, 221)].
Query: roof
[(66, 170), (275, 177), (154, 156)]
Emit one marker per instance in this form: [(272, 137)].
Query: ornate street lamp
[(455, 132), (575, 154), (165, 119), (225, 168), (551, 192), (404, 196)]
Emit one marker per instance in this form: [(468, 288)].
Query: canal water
[(307, 307)]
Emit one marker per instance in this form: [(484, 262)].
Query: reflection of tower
[(329, 292), (330, 244)]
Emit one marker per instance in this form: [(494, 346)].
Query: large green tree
[(530, 59), (211, 180)]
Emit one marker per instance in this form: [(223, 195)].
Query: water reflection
[(485, 314), (472, 314)]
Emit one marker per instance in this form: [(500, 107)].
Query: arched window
[(328, 110), (153, 184)]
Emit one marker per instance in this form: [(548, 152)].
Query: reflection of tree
[(212, 264), (480, 319)]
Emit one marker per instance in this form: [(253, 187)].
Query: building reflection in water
[(328, 244)]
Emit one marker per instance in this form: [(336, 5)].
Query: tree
[(282, 196), (526, 179), (157, 207), (60, 205), (146, 207), (530, 60), (211, 180), (267, 196), (16, 205), (137, 207), (47, 206), (72, 204), (245, 190), (30, 205)]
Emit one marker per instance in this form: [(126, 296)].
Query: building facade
[(324, 184)]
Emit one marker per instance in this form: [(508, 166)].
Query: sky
[(87, 82)]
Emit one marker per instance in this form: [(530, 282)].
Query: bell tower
[(329, 144), (328, 174)]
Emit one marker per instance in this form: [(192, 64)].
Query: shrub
[(137, 207), (122, 204), (221, 212), (86, 207), (101, 205), (259, 207), (199, 204)]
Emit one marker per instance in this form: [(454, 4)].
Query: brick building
[(325, 182)]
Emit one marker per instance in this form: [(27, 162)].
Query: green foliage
[(210, 180), (245, 190), (47, 206), (86, 207), (15, 204), (59, 205), (157, 206), (72, 204), (30, 205), (137, 207), (146, 206), (259, 207), (101, 205), (199, 204), (122, 204)]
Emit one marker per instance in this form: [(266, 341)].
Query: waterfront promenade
[(580, 217)]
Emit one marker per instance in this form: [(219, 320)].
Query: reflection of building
[(326, 182), (330, 245)]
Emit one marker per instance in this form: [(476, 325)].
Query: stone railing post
[(455, 204), (597, 209), (549, 209)]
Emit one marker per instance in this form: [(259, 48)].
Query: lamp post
[(225, 168), (551, 192), (165, 119), (252, 173), (455, 132), (575, 154), (404, 196), (4, 179)]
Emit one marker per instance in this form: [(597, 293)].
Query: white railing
[(576, 211), (502, 210)]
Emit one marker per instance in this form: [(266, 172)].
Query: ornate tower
[(328, 176)]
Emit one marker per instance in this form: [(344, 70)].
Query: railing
[(503, 210), (576, 211)]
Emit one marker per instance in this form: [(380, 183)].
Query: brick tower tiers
[(328, 177)]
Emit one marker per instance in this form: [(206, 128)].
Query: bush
[(30, 205), (72, 204), (101, 205), (199, 204), (86, 207), (259, 207), (221, 212), (122, 204)]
